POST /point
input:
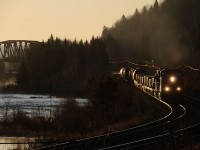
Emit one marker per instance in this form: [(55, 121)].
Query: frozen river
[(31, 103), (37, 105), (28, 101)]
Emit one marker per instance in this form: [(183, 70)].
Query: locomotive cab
[(171, 84)]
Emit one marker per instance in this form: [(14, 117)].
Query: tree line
[(60, 66)]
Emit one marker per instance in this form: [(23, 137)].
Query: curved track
[(185, 130), (123, 136), (167, 138), (190, 133), (132, 134)]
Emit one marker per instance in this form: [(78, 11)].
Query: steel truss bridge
[(13, 50)]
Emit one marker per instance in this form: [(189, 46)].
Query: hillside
[(168, 33)]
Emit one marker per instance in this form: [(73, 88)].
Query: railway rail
[(168, 137), (180, 136), (153, 132), (135, 133)]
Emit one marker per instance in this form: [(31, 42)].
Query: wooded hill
[(168, 33)]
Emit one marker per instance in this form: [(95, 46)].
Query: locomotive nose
[(172, 79), (167, 88), (178, 88)]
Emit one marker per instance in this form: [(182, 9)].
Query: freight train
[(165, 84)]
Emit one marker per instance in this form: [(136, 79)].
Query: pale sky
[(80, 19)]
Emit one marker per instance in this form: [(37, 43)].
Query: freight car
[(165, 84)]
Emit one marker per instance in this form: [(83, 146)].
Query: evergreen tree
[(58, 66), (136, 12), (156, 5)]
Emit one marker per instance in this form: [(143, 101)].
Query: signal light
[(178, 89), (167, 89), (172, 79)]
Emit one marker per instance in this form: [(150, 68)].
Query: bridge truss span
[(13, 50)]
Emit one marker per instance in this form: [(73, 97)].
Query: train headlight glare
[(172, 79), (178, 89), (167, 89)]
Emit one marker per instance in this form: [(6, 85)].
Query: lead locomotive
[(165, 84)]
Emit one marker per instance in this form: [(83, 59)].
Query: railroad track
[(166, 139), (151, 133), (190, 134), (131, 134), (182, 136)]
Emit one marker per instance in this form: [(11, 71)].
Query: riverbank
[(70, 91)]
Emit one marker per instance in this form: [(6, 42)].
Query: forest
[(62, 66), (168, 33)]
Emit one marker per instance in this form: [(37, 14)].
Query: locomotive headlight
[(172, 79), (178, 89), (167, 89)]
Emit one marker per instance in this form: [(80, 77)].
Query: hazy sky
[(80, 19)]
